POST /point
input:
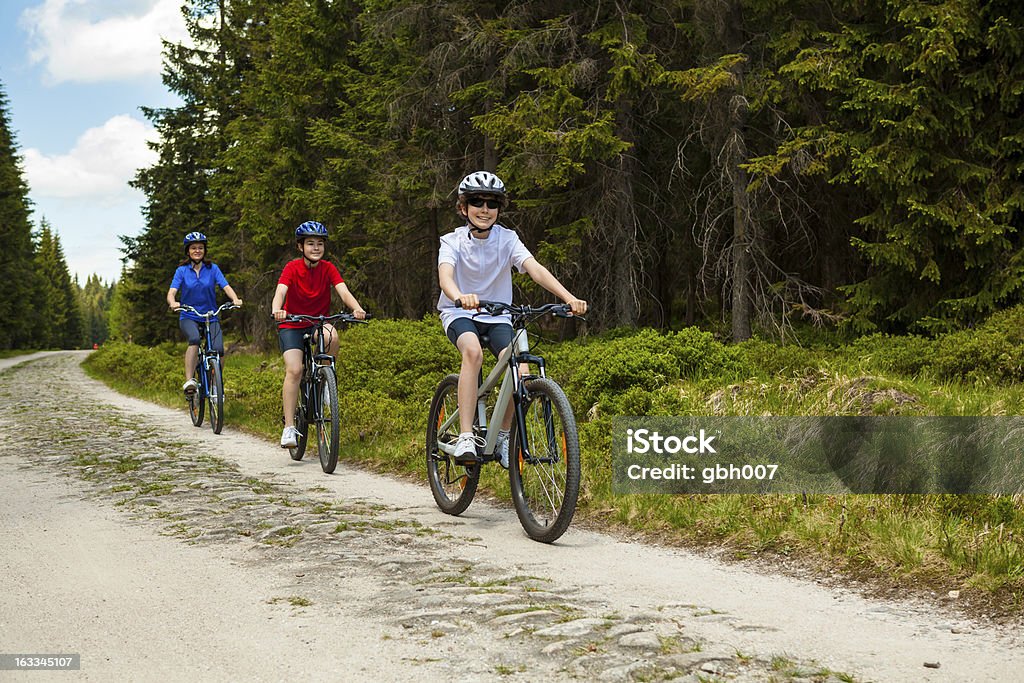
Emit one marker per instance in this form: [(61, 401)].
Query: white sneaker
[(465, 447), (290, 437), (190, 386), (501, 448)]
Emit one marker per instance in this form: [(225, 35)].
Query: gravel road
[(158, 551)]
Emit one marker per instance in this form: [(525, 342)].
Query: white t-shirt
[(482, 267)]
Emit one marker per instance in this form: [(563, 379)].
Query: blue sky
[(75, 73)]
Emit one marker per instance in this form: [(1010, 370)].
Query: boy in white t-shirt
[(475, 262)]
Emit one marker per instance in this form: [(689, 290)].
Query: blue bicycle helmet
[(193, 237), (311, 229)]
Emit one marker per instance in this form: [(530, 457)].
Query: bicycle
[(544, 452), (318, 391), (208, 375)]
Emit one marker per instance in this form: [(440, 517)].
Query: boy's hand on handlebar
[(175, 307), (578, 306), (358, 313), (469, 301), (237, 302), (280, 315)]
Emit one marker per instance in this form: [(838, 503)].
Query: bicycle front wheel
[(544, 467), (301, 425), (196, 402), (216, 395), (453, 485), (327, 427)]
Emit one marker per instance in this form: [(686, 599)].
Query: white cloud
[(93, 40), (98, 167)]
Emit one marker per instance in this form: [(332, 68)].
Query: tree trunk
[(743, 229), (625, 259), (742, 233)]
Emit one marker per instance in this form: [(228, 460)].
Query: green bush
[(986, 354), (400, 359), (769, 359), (992, 352), (161, 367), (909, 356), (1008, 323), (648, 360)]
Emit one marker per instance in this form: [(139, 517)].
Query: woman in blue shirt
[(197, 279)]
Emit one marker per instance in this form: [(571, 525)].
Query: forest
[(41, 305), (753, 165), (750, 166)]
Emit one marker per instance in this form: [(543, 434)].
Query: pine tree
[(180, 195), (94, 300), (925, 102), (18, 295), (61, 325)]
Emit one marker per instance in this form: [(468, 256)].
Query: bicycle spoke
[(545, 483), (453, 486), (327, 419)]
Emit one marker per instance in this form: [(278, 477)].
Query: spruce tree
[(20, 291)]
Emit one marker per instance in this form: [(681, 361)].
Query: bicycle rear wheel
[(196, 402), (300, 422), (453, 485), (544, 468), (327, 426), (216, 395)]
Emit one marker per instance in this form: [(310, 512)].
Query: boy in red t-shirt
[(305, 288)]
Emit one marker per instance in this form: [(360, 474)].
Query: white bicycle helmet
[(483, 182)]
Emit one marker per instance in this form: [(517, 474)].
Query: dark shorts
[(193, 332), (499, 334), (290, 338)]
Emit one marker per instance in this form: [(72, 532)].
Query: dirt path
[(156, 550)]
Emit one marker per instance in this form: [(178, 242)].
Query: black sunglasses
[(480, 201)]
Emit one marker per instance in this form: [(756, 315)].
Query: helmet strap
[(473, 226)]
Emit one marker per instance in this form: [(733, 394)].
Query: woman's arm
[(170, 298), (231, 294)]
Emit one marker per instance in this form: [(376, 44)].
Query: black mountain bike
[(209, 375), (544, 450), (317, 405)]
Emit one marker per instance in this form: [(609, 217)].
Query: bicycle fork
[(521, 400)]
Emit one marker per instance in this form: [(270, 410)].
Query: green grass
[(975, 543), (12, 353)]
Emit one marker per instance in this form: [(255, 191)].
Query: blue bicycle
[(208, 375)]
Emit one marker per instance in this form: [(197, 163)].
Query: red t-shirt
[(309, 289)]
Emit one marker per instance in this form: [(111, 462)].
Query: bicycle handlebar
[(227, 306), (346, 318), (525, 311)]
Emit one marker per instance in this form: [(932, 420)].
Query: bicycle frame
[(206, 352), (544, 458), (507, 369), (313, 358)]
